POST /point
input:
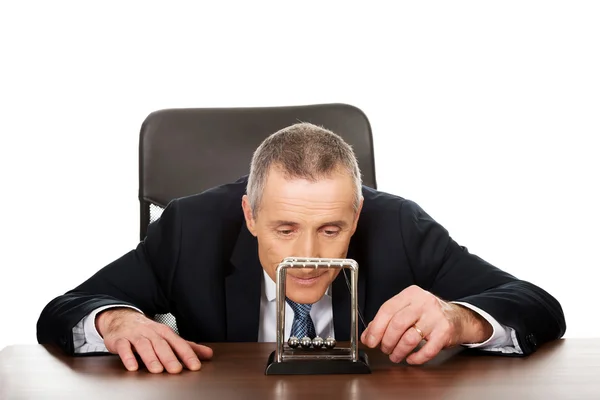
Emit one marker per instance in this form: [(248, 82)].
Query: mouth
[(306, 280)]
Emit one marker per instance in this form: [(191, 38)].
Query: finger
[(204, 352), (407, 343), (165, 354), (189, 352), (402, 321), (182, 348), (376, 329), (363, 336), (146, 351), (124, 351), (426, 353)]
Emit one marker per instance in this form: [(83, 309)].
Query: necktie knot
[(300, 310)]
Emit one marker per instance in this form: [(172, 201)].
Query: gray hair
[(304, 151)]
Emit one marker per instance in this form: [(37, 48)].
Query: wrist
[(105, 319), (475, 328)]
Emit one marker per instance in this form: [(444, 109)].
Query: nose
[(307, 245)]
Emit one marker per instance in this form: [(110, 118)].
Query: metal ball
[(305, 342), (293, 342), (330, 343), (318, 342)]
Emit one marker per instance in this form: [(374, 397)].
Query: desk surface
[(562, 369)]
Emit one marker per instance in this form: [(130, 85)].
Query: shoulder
[(385, 209), (218, 206), (377, 203), (219, 198)]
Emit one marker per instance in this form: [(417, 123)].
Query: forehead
[(328, 194)]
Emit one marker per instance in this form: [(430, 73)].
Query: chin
[(304, 296)]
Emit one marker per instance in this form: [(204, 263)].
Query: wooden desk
[(560, 370)]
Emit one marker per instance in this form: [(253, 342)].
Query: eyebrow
[(283, 222), (340, 223)]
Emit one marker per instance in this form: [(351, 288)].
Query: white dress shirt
[(86, 338)]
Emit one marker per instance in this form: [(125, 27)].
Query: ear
[(355, 224), (250, 223)]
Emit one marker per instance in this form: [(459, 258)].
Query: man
[(211, 263)]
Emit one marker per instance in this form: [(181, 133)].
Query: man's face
[(299, 218)]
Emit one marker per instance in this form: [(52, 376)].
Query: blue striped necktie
[(303, 324)]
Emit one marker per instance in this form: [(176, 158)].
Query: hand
[(442, 325), (123, 328)]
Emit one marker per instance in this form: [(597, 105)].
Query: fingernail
[(194, 364), (394, 359), (130, 367), (155, 366), (371, 340)]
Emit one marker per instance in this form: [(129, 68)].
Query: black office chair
[(186, 151)]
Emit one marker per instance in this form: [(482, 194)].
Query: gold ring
[(420, 332)]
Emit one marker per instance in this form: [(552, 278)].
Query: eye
[(331, 232), (285, 231)]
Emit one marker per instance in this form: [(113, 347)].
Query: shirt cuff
[(86, 338), (503, 339)]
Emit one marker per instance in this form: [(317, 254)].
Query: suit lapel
[(243, 290), (341, 300)]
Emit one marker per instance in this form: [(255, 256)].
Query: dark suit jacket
[(200, 263)]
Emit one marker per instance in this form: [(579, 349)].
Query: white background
[(486, 114)]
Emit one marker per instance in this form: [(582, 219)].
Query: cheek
[(334, 249), (271, 253), (275, 249)]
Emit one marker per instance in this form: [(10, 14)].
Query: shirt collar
[(271, 288)]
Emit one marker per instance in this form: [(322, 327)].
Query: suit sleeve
[(141, 278), (449, 271)]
